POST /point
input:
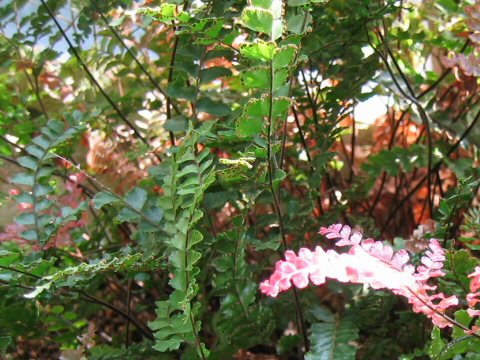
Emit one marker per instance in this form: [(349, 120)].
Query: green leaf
[(195, 238), (127, 215), (265, 4), (272, 243), (284, 56), (247, 127), (165, 14), (256, 78), (36, 151), (463, 264), (212, 73), (288, 343), (256, 113), (4, 343), (176, 124), (437, 345), (136, 198), (215, 108), (298, 2), (462, 317), (38, 290), (28, 162), (304, 2), (104, 198), (259, 50), (26, 219), (332, 340), (262, 20), (298, 21), (23, 179), (178, 91), (118, 21), (279, 176)]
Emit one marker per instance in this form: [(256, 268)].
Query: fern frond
[(42, 224), (191, 173), (333, 340)]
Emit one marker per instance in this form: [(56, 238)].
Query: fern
[(331, 340), (241, 321), (43, 224), (75, 276), (191, 173), (472, 221)]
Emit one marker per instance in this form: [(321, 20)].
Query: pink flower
[(25, 206), (475, 282), (473, 298), (14, 192), (367, 262)]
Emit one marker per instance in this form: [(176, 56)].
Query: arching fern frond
[(42, 223), (190, 173)]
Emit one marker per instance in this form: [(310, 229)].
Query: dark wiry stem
[(276, 203), (93, 79), (435, 168)]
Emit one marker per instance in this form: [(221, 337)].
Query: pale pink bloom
[(473, 312), (367, 262), (473, 298), (475, 282), (25, 206), (14, 192)]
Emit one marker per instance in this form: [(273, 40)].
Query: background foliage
[(158, 157)]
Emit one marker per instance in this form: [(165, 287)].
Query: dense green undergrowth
[(159, 157)]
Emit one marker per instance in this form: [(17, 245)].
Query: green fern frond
[(333, 340), (191, 173), (38, 161)]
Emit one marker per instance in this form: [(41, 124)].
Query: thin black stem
[(352, 154), (446, 317), (130, 52), (93, 79), (146, 331), (276, 203), (435, 168), (129, 301), (140, 326), (169, 103), (423, 115), (384, 175), (107, 189), (442, 76)]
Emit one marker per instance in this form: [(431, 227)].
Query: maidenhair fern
[(190, 174), (241, 322), (43, 221)]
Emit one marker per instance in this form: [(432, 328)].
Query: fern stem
[(94, 80), (129, 301), (435, 168), (446, 317), (130, 52), (278, 210), (90, 298)]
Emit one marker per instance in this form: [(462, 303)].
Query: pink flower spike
[(267, 289), (371, 263), (338, 231), (473, 312), (475, 282)]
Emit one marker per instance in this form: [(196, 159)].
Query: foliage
[(159, 158)]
